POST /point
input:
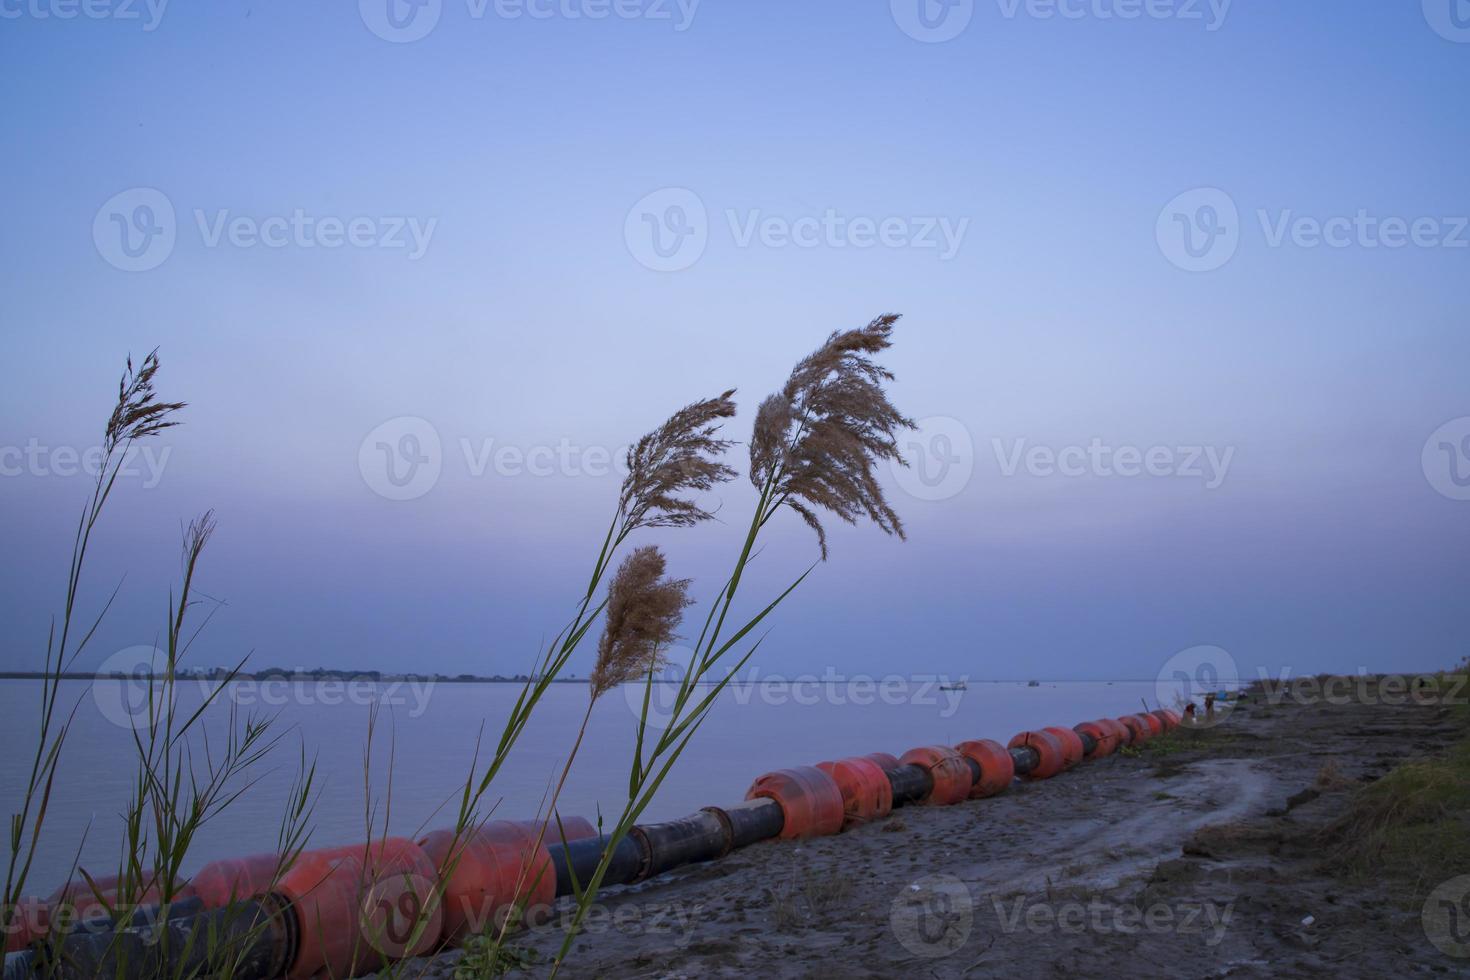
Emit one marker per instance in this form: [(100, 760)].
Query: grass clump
[(1413, 825)]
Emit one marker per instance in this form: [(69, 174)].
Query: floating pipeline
[(345, 911)]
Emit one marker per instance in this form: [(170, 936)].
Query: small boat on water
[(956, 686)]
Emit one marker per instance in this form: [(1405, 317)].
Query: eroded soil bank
[(1200, 856)]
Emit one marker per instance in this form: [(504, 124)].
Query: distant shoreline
[(379, 676), (265, 676)]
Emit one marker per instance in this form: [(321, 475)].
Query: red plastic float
[(1072, 748), (1154, 723), (1169, 718), (1050, 758), (811, 801), (94, 899), (30, 921), (884, 760), (221, 882), (490, 869), (1104, 738), (997, 768), (1119, 730), (359, 905), (867, 794), (1138, 730), (947, 769)]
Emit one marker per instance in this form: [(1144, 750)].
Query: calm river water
[(432, 730)]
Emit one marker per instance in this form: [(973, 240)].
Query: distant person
[(1210, 705), (1189, 713)]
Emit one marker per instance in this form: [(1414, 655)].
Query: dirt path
[(1200, 862)]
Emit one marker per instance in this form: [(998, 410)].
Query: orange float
[(1139, 730), (30, 921), (997, 768), (1050, 758), (97, 898), (946, 768), (219, 883), (361, 906), (884, 760), (1104, 737), (810, 799), (1072, 748), (491, 868), (867, 794), (1154, 722)]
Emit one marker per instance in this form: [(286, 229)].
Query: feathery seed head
[(643, 612), (679, 457), (136, 414), (819, 438)]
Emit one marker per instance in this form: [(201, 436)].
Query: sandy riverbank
[(1199, 857)]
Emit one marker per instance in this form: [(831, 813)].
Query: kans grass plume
[(818, 439), (643, 612), (679, 457), (137, 414)]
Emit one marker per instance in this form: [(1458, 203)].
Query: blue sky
[(1059, 152)]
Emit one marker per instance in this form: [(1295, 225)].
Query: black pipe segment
[(252, 938), (1025, 759), (583, 856), (974, 770), (1089, 744), (751, 821), (142, 916), (910, 783), (701, 836), (20, 966)]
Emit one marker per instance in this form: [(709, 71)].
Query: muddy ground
[(1200, 860)]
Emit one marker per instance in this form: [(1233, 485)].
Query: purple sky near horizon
[(1332, 541)]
